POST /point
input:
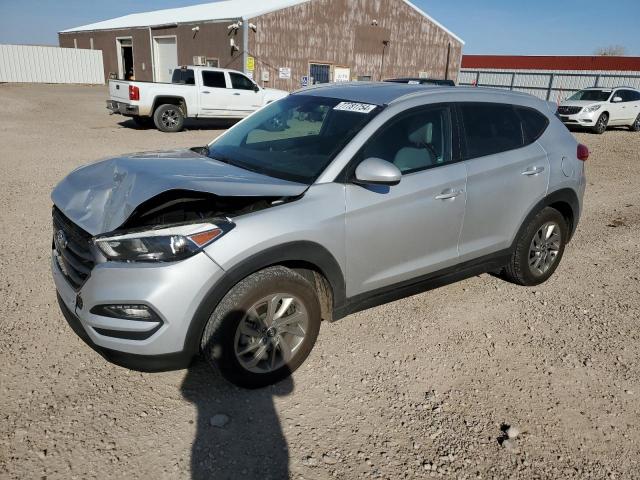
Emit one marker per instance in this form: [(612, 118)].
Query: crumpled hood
[(100, 197)]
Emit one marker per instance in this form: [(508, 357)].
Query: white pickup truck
[(194, 92)]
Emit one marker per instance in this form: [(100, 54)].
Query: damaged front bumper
[(173, 291)]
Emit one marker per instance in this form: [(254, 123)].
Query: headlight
[(161, 245), (592, 108)]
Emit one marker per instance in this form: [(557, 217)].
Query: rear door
[(215, 97), (244, 97), (507, 173), (397, 234)]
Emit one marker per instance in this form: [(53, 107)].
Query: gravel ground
[(420, 388)]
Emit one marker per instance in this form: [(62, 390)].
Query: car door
[(215, 97), (628, 107), (507, 173), (246, 96), (617, 109), (399, 233)]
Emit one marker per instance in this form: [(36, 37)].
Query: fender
[(564, 195), (303, 251)]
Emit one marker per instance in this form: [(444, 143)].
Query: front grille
[(564, 110), (72, 247)]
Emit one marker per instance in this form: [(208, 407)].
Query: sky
[(535, 27)]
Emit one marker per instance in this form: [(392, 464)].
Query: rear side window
[(240, 82), (490, 128), (183, 77), (213, 79), (533, 123)]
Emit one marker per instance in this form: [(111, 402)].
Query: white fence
[(553, 85), (32, 64)]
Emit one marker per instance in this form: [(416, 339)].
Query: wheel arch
[(565, 201), (303, 256), (169, 100)]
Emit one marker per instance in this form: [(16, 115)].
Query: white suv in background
[(599, 108)]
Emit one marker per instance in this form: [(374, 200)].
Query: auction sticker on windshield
[(355, 107)]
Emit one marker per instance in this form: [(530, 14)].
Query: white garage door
[(165, 54)]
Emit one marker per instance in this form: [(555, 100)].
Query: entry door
[(320, 73), (399, 233), (166, 58)]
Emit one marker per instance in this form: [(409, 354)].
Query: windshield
[(295, 138), (591, 95)]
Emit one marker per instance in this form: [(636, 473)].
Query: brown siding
[(211, 41), (106, 41), (340, 32)]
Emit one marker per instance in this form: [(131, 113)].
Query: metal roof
[(225, 10), (215, 11), (551, 62)]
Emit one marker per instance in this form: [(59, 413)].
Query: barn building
[(279, 43)]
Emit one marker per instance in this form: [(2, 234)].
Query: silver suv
[(330, 201)]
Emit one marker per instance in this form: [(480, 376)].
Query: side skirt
[(447, 276)]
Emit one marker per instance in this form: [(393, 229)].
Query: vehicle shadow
[(189, 124), (238, 431)]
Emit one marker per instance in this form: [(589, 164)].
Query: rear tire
[(168, 118), (263, 329), (635, 126), (601, 125), (538, 250)]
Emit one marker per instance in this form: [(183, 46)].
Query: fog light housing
[(138, 313)]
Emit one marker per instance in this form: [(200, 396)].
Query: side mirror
[(375, 171), (616, 100), (256, 88)]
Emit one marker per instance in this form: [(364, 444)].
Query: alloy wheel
[(169, 118), (271, 333), (545, 248)]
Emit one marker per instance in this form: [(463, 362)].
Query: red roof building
[(551, 62)]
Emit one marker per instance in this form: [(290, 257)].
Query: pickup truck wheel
[(142, 122), (168, 118), (263, 329)]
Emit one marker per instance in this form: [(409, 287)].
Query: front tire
[(539, 249), (601, 124), (635, 126), (263, 329), (168, 118)]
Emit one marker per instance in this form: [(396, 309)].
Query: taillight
[(583, 152), (134, 92)]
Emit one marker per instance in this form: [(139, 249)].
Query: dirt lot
[(418, 388)]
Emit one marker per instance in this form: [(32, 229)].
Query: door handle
[(206, 92), (236, 93), (532, 171), (449, 194)]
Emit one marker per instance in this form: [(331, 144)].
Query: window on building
[(213, 62), (364, 78), (213, 79), (490, 128), (240, 82)]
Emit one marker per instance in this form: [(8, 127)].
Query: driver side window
[(414, 141), (240, 82)]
